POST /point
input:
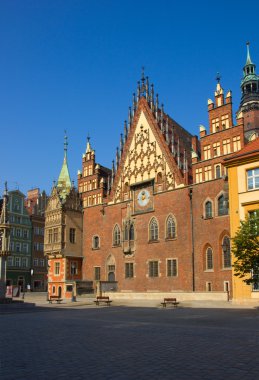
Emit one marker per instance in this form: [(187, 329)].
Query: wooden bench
[(104, 299), (170, 301), (55, 298)]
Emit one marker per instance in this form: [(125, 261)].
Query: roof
[(249, 150)]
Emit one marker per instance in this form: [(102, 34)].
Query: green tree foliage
[(245, 247)]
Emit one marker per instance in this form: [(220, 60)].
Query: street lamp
[(73, 271)]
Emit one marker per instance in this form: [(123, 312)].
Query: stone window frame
[(209, 260), (96, 242), (217, 209), (116, 236), (205, 215), (174, 236), (153, 233), (153, 269), (129, 270), (226, 255), (174, 271)]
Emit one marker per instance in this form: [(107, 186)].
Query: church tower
[(63, 236), (249, 105)]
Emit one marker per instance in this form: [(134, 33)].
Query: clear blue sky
[(74, 64)]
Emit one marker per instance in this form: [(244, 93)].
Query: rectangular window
[(18, 232), (42, 262), (94, 199), (254, 215), (25, 248), (72, 235), (25, 234), (85, 202), (10, 261), (226, 146), (24, 262), (57, 269), (225, 122), (215, 125), (206, 151), (253, 179), (198, 174), (216, 149), (73, 267), (236, 143), (171, 268), (85, 171), (50, 236), (99, 198), (17, 261), (55, 235), (207, 171), (18, 247), (35, 262), (129, 270), (97, 273), (153, 269)]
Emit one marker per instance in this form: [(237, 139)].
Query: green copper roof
[(64, 182)]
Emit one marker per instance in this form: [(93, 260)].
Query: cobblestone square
[(129, 343)]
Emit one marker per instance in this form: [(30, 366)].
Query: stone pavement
[(121, 342)]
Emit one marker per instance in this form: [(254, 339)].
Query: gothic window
[(153, 230), (222, 205), (226, 252), (170, 228), (209, 259), (208, 209), (131, 232), (96, 242), (217, 171), (126, 232), (116, 235)]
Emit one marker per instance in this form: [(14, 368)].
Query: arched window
[(116, 235), (226, 255), (218, 174), (222, 205), (170, 228), (131, 232), (153, 230), (209, 259), (96, 242), (208, 209), (126, 232)]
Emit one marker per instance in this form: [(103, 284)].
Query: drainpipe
[(192, 239)]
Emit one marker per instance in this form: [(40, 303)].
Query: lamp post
[(32, 271), (73, 270)]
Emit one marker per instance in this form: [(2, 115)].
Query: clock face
[(143, 197)]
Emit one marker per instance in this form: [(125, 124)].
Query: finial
[(147, 89), (65, 144), (5, 188), (125, 131), (143, 75), (248, 58), (134, 103), (218, 77), (88, 137), (138, 92)]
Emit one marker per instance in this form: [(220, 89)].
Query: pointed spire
[(156, 106), (65, 145), (125, 131), (248, 58), (172, 142), (162, 118), (178, 152), (147, 89), (138, 92), (64, 181), (88, 145), (121, 144), (133, 104), (152, 97), (113, 172), (129, 117), (117, 158), (166, 130)]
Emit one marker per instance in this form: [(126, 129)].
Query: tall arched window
[(96, 242), (222, 205), (226, 255), (208, 209), (209, 259), (218, 174), (131, 232), (126, 232), (170, 228), (153, 230), (116, 235)]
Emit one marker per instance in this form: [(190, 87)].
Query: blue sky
[(73, 65)]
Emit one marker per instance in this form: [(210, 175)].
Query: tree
[(245, 248)]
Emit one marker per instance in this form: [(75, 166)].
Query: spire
[(88, 145), (248, 59), (64, 182)]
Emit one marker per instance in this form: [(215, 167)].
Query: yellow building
[(243, 173)]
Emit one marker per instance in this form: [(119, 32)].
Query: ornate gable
[(146, 156)]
